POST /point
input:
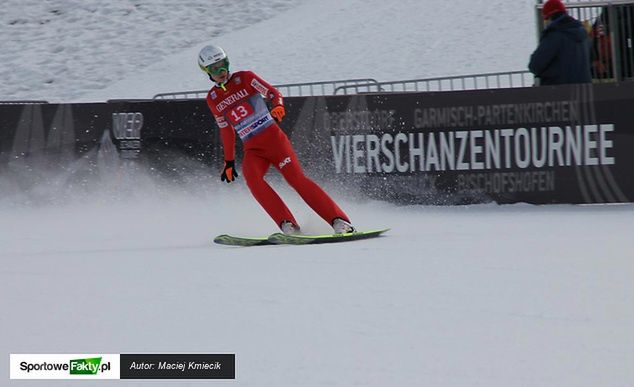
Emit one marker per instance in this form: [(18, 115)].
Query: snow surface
[(89, 50), (482, 295)]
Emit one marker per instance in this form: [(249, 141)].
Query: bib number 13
[(239, 112)]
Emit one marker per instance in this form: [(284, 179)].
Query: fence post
[(615, 42)]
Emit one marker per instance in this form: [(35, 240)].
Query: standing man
[(563, 54), (236, 102)]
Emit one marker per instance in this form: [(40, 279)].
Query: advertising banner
[(564, 144), (567, 144)]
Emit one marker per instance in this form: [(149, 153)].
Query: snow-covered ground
[(459, 296), (453, 296), (60, 50), (89, 50)]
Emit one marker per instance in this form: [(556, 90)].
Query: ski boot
[(342, 227)]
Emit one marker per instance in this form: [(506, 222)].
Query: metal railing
[(287, 89), (192, 94), (319, 88), (22, 102), (459, 82), (370, 85)]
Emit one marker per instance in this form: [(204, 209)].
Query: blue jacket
[(563, 54)]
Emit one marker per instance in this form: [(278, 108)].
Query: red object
[(278, 113), (239, 107), (552, 7), (273, 147)]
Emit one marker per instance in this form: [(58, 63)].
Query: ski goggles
[(218, 68)]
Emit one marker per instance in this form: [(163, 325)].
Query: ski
[(283, 239), (279, 238), (231, 240)]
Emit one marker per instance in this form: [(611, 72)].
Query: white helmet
[(210, 55)]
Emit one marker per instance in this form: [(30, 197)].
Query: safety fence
[(22, 102), (369, 85), (287, 89), (499, 80)]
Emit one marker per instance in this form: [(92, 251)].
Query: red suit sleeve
[(227, 134), (263, 87)]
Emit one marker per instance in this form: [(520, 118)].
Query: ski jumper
[(239, 108)]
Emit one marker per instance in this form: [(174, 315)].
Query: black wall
[(564, 144)]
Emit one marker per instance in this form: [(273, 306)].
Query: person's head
[(552, 9), (214, 62)]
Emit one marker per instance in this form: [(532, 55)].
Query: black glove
[(229, 174)]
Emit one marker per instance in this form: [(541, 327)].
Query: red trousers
[(273, 147)]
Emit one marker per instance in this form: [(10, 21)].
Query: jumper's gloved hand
[(229, 174), (278, 113)]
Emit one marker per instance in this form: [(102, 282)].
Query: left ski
[(231, 240)]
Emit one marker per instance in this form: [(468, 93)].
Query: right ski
[(300, 239)]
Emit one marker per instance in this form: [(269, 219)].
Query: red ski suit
[(239, 107)]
